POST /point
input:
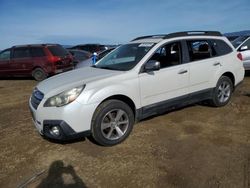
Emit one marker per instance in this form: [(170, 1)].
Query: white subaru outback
[(145, 77)]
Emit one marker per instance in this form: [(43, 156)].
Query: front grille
[(36, 98)]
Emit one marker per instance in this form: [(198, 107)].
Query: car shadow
[(247, 73), (65, 142), (72, 141), (61, 176)]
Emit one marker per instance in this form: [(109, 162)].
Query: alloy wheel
[(114, 124)]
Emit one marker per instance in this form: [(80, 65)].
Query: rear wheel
[(112, 122), (222, 92), (39, 74)]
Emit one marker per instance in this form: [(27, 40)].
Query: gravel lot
[(197, 146)]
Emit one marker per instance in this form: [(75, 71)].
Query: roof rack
[(182, 34), (150, 36)]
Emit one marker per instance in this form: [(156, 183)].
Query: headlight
[(64, 98)]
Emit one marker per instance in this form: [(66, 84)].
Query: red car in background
[(36, 60)]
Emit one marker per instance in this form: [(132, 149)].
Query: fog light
[(55, 131)]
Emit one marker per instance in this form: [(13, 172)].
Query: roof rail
[(34, 45), (193, 33), (182, 34), (150, 36)]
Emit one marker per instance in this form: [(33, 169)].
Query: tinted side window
[(199, 49), (21, 53), (168, 55), (5, 55), (221, 47), (37, 52)]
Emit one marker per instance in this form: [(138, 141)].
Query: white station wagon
[(145, 77)]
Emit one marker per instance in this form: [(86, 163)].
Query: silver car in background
[(242, 45), (89, 62)]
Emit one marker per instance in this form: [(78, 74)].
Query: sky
[(70, 22)]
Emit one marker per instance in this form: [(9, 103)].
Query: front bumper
[(73, 120), (66, 132)]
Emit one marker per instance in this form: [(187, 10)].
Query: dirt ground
[(197, 146)]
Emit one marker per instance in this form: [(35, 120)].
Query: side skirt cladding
[(175, 103)]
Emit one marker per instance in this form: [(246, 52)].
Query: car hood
[(74, 78)]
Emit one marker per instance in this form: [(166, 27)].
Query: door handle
[(182, 71), (217, 63)]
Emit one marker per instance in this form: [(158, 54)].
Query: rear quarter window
[(58, 51), (221, 47), (37, 52)]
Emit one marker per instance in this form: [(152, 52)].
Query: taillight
[(54, 59), (239, 55)]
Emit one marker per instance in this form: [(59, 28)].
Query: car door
[(170, 82), (244, 49), (203, 66), (4, 62), (21, 61)]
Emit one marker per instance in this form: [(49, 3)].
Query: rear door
[(5, 62), (22, 61), (203, 64)]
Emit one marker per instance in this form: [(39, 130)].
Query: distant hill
[(238, 33)]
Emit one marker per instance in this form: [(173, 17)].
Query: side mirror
[(243, 48), (152, 65)]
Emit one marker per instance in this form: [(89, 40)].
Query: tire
[(112, 122), (39, 74), (222, 92)]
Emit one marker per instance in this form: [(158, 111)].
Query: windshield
[(125, 57), (238, 41)]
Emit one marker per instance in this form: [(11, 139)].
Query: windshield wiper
[(109, 68), (105, 67)]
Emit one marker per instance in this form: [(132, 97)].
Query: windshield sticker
[(146, 44)]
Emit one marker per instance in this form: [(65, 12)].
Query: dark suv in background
[(36, 60), (90, 47)]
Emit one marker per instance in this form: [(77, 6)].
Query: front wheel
[(112, 122), (222, 92)]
